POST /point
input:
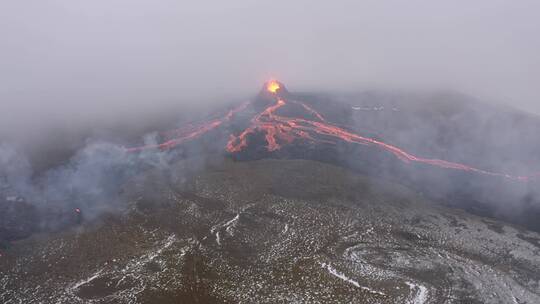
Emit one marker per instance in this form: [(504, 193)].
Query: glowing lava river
[(309, 126)]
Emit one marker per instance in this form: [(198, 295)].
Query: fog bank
[(71, 62)]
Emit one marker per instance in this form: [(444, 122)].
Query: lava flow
[(311, 126), (189, 132)]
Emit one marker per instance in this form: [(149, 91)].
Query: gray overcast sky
[(77, 60)]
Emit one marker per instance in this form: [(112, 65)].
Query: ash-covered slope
[(275, 231)]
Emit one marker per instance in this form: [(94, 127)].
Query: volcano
[(298, 198), (283, 119), (281, 124)]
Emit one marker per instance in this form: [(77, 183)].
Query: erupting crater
[(273, 86)]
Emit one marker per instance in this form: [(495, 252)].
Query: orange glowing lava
[(182, 135), (272, 86)]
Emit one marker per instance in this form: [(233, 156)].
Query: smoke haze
[(68, 63)]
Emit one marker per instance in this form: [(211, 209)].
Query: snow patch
[(343, 277), (231, 223), (227, 226), (420, 296), (87, 280)]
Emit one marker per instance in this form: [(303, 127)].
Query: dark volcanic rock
[(276, 231)]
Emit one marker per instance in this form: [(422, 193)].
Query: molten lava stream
[(190, 132)]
